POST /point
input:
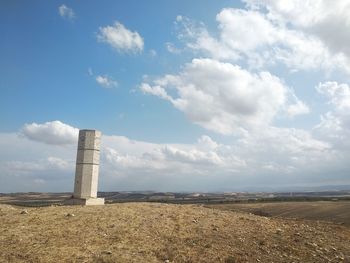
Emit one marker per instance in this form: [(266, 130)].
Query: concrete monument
[(87, 168)]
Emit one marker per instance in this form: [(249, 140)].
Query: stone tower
[(87, 168)]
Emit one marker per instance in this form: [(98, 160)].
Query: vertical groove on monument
[(87, 167)]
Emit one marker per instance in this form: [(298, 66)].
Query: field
[(337, 212), (152, 232)]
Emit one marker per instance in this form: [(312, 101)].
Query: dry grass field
[(151, 232), (337, 212)]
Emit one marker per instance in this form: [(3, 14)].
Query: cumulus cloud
[(297, 109), (38, 174), (197, 38), (339, 94), (120, 38), (286, 143), (335, 123), (30, 165), (192, 156), (121, 161), (329, 21), (130, 165), (54, 132), (49, 163), (156, 91), (223, 97), (261, 40), (272, 154), (168, 161), (205, 143), (296, 106), (106, 81), (66, 12)]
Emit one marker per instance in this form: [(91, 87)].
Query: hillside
[(150, 232)]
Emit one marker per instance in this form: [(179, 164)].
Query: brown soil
[(337, 212), (144, 232)]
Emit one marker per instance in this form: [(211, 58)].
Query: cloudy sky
[(189, 95)]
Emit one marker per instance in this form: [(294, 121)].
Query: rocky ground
[(149, 232)]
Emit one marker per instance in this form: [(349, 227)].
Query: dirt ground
[(150, 232), (337, 212)]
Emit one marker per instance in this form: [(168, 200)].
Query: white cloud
[(179, 18), (121, 161), (167, 159), (328, 20), (223, 97), (106, 81), (258, 39), (196, 37), (155, 90), (49, 163), (297, 109), (205, 143), (256, 158), (335, 124), (24, 162), (284, 143), (339, 94), (66, 12), (121, 38), (245, 30), (192, 156), (228, 99), (54, 132), (172, 48)]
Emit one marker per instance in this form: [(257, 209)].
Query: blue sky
[(52, 56), (190, 95)]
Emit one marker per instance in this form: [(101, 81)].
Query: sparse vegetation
[(151, 232)]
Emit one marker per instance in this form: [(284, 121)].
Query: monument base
[(83, 201)]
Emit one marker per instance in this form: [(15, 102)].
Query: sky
[(189, 95)]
